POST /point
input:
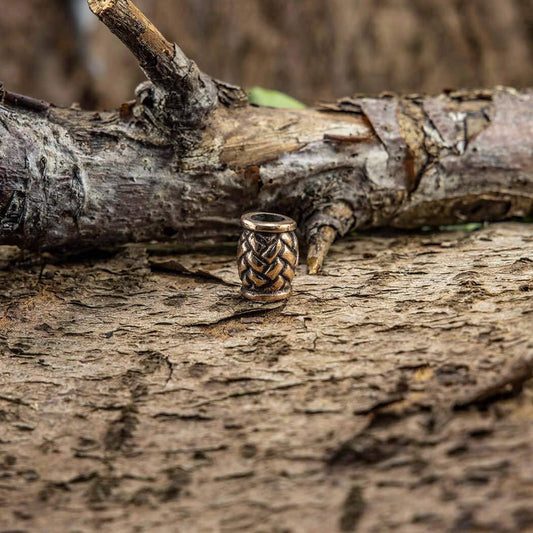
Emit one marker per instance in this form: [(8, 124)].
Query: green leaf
[(470, 226), (269, 98)]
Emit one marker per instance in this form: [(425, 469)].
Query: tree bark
[(141, 393), (74, 180), (391, 393), (189, 156)]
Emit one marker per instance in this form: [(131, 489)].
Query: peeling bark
[(75, 180)]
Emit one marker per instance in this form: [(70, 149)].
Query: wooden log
[(188, 157), (75, 180), (393, 392)]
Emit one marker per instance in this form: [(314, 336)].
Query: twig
[(20, 100), (189, 95), (318, 248), (324, 227)]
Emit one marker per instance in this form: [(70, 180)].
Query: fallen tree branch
[(185, 97), (189, 156)]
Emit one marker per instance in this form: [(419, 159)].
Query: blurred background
[(310, 49)]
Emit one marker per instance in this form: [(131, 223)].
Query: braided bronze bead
[(267, 256)]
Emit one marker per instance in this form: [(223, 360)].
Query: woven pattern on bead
[(267, 261)]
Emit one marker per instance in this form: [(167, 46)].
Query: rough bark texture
[(71, 179), (140, 393), (189, 155)]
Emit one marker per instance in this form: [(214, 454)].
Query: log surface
[(77, 180), (391, 393), (189, 155)]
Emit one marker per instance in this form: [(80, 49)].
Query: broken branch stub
[(186, 96)]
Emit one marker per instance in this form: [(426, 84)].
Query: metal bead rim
[(267, 222)]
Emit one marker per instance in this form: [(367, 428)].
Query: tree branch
[(187, 95), (180, 163)]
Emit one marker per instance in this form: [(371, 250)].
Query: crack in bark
[(510, 383)]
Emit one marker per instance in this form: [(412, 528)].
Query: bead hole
[(267, 217)]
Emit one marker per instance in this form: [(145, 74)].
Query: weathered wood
[(74, 180), (189, 157), (139, 392), (188, 96)]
